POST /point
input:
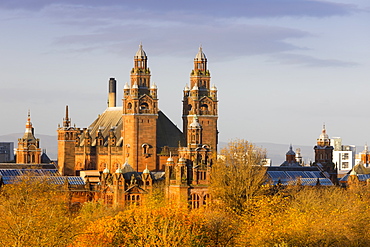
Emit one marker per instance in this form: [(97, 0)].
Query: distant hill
[(276, 152)]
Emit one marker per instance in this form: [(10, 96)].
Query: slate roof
[(168, 134), (308, 176), (361, 177), (110, 118), (58, 180), (9, 176)]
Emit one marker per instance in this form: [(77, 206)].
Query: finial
[(66, 112)]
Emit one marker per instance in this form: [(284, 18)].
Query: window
[(206, 199), (109, 199), (345, 165), (204, 107), (202, 175), (195, 201), (146, 147), (345, 156), (144, 106), (132, 199)]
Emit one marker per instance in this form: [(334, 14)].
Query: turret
[(195, 133), (66, 120), (126, 90), (140, 114), (200, 100), (28, 151), (67, 140), (153, 90), (290, 155), (323, 139)]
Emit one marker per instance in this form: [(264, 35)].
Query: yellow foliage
[(147, 226), (310, 217), (35, 213)]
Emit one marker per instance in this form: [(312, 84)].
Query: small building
[(343, 155), (6, 152)]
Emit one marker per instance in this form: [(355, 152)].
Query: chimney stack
[(112, 93)]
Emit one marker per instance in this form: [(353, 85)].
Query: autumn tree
[(144, 225), (238, 174), (312, 216), (34, 212)]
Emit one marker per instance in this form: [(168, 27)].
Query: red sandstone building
[(130, 146)]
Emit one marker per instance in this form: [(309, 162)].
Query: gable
[(167, 132)]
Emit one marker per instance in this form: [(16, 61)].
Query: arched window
[(144, 106), (206, 199), (129, 106), (145, 147)]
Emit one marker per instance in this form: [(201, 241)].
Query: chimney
[(112, 93)]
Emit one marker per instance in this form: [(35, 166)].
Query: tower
[(140, 114), (66, 146), (290, 158), (200, 101), (28, 151), (324, 156)]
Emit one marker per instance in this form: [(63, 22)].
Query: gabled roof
[(111, 118), (167, 132)]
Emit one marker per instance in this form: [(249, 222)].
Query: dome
[(146, 171), (140, 53), (195, 87), (135, 86), (170, 159), (200, 55), (119, 170), (214, 88), (323, 135), (153, 86), (290, 152), (186, 88), (195, 124), (323, 138), (106, 170), (182, 160), (126, 86)]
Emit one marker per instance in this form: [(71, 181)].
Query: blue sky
[(282, 67)]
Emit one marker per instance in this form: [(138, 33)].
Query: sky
[(283, 68)]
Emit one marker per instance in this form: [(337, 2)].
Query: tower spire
[(29, 128), (66, 120)]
